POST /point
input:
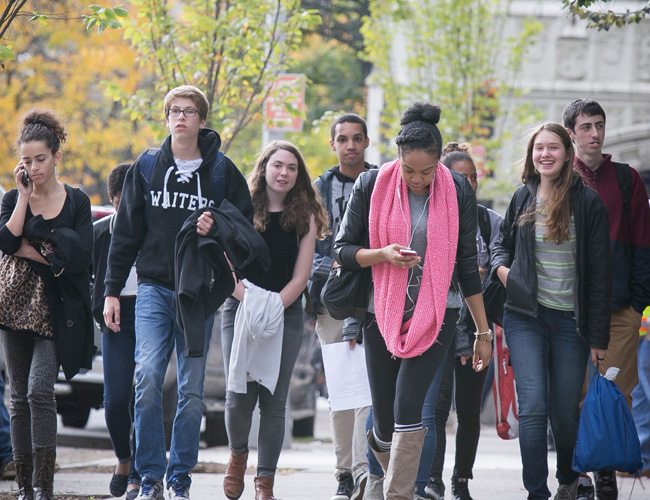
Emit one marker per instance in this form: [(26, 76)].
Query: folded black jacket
[(203, 277), (67, 281)]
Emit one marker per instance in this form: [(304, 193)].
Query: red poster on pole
[(285, 104)]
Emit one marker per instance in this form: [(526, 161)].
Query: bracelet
[(488, 331)]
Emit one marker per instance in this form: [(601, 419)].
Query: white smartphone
[(407, 252)]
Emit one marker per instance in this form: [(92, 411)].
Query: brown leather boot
[(264, 488), (24, 468), (233, 482)]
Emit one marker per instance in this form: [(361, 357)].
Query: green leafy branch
[(105, 17), (604, 20)]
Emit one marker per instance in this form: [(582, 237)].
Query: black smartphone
[(24, 178)]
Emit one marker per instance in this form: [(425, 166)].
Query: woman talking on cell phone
[(47, 236), (413, 203)]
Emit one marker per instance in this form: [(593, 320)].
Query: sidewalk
[(306, 471)]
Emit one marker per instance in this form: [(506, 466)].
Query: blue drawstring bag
[(607, 437)]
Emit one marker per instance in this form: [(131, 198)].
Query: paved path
[(306, 470)]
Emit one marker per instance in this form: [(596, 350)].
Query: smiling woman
[(553, 257)]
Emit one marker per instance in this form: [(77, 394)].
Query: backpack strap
[(149, 159), (484, 225), (624, 179), (73, 203)]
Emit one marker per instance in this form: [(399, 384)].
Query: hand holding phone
[(407, 252), (24, 178)]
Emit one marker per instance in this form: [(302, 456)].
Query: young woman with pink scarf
[(413, 203)]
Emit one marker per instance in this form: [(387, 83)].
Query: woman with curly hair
[(413, 222), (47, 236), (289, 216)]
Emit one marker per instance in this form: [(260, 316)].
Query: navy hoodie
[(146, 227)]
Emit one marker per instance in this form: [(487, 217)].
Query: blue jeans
[(156, 334), (429, 421), (641, 401), (549, 359), (118, 350), (5, 434)]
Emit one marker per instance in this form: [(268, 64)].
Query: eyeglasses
[(189, 112)]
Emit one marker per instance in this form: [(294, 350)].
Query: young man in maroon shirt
[(629, 232)]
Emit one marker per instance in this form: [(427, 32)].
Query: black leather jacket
[(515, 249), (354, 235)]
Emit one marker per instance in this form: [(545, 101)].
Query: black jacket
[(146, 230), (68, 285), (101, 243), (515, 249), (203, 276), (354, 235)]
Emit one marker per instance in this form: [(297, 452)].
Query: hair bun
[(423, 112), (452, 147), (46, 119)]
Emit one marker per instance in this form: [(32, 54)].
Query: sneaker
[(132, 494), (435, 489), (567, 491), (460, 488), (585, 492), (374, 488), (359, 486), (346, 485), (179, 488), (150, 489), (606, 488)]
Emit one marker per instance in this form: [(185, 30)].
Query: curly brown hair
[(558, 208), (42, 125), (301, 201)]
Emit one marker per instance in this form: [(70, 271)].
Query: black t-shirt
[(283, 248)]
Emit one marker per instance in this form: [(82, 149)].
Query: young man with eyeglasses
[(149, 218)]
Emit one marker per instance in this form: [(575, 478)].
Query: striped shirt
[(555, 267)]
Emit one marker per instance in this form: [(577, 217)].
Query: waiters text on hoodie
[(147, 223)]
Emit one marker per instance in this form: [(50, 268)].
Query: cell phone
[(407, 252), (24, 178)]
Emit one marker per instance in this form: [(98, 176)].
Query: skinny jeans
[(118, 355), (465, 386), (549, 360), (33, 367), (398, 386), (240, 407)]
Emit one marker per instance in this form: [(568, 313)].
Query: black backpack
[(484, 225)]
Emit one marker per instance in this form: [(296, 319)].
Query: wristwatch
[(487, 336)]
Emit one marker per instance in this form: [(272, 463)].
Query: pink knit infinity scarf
[(387, 226)]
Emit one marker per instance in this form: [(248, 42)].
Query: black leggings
[(399, 385), (467, 397)]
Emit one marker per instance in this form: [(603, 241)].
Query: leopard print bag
[(23, 298)]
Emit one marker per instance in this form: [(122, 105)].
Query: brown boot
[(399, 483), (233, 482), (264, 488), (24, 467), (382, 456), (44, 462)]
